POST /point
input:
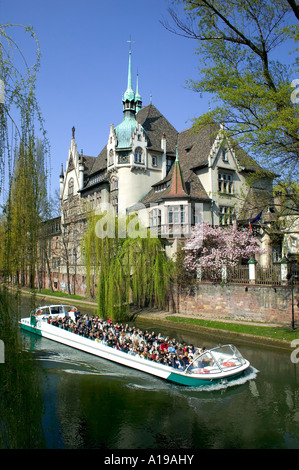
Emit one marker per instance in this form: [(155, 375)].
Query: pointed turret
[(177, 187), (126, 128), (61, 182), (129, 95), (138, 99)]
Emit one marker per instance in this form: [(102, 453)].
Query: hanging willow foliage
[(22, 156), (129, 271)]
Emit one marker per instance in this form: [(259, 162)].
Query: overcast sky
[(84, 67)]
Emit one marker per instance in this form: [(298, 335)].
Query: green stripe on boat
[(31, 329)]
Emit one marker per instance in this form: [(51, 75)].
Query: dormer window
[(138, 155)]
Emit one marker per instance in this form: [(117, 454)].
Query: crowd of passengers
[(130, 339)]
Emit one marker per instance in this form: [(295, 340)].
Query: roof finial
[(130, 67), (137, 80), (73, 132), (130, 42)]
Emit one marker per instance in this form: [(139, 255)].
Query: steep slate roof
[(155, 124), (194, 147), (193, 152), (88, 164), (100, 162)]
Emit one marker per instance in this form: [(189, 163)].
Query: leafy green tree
[(19, 108), (129, 268), (254, 89), (25, 210), (23, 158)]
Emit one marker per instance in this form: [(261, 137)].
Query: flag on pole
[(256, 219)]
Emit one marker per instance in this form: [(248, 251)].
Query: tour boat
[(219, 364)]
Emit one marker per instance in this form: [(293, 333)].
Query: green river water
[(67, 399)]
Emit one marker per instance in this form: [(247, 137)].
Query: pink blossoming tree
[(213, 248)]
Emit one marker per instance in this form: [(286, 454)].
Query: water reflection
[(21, 403), (97, 404), (92, 403)]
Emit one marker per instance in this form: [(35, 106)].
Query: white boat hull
[(204, 377)]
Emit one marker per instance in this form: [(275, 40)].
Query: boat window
[(205, 363), (42, 311), (205, 360), (57, 309)]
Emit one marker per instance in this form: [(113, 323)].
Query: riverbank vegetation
[(281, 333)]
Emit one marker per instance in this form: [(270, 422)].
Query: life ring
[(228, 364), (200, 371)]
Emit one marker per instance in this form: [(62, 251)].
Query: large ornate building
[(171, 179)]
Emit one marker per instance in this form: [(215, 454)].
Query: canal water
[(78, 401)]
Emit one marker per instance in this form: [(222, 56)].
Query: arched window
[(138, 155), (113, 184), (71, 187)]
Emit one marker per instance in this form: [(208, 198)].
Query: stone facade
[(240, 302)]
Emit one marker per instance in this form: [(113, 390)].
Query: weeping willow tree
[(130, 270), (22, 187), (19, 110), (27, 207), (20, 165)]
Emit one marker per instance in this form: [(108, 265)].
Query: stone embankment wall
[(238, 302)]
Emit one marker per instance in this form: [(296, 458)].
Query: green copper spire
[(126, 128), (129, 94)]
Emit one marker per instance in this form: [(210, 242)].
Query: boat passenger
[(171, 347), (185, 360)]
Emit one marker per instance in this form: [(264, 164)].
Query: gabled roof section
[(155, 124), (71, 165)]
